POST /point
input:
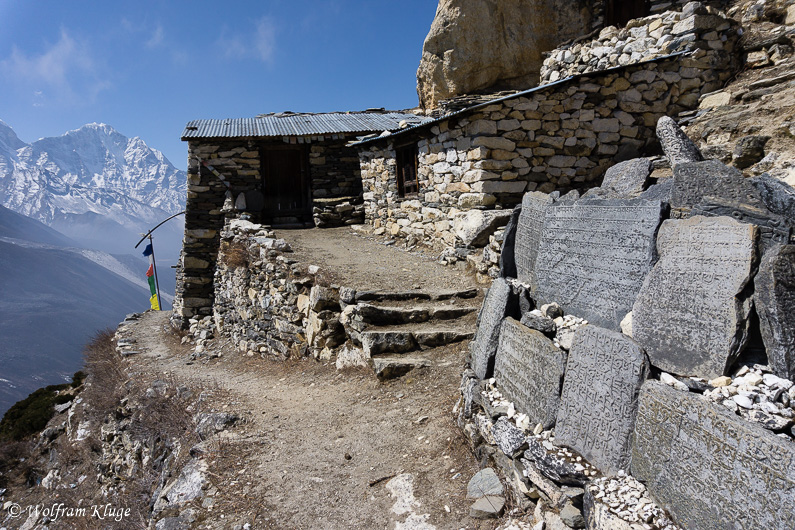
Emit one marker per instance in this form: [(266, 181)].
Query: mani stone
[(691, 315), (675, 144), (695, 181), (484, 346), (778, 196), (594, 255), (627, 179), (529, 371), (708, 467), (507, 254), (774, 298), (509, 437), (528, 235), (597, 411), (773, 229)]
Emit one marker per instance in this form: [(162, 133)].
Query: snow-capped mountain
[(92, 184)]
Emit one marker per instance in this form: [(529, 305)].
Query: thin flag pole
[(154, 269)]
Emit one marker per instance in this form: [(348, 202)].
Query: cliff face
[(475, 45)]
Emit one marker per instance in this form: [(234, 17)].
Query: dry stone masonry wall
[(668, 408), (475, 164), (695, 27)]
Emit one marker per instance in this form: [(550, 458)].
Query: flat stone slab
[(675, 143), (509, 437), (528, 235), (529, 371), (604, 373), (708, 467), (695, 181), (484, 482), (484, 347), (773, 230), (489, 507), (627, 179), (778, 196), (774, 298), (594, 254), (691, 315), (507, 260)]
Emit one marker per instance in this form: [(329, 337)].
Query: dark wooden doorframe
[(619, 12), (285, 181)]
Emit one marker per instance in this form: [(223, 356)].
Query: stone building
[(289, 169), (439, 181)]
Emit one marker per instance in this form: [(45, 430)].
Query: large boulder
[(475, 45)]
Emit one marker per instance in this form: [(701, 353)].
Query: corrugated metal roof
[(567, 80), (295, 124)]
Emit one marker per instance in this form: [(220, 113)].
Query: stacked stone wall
[(269, 303)]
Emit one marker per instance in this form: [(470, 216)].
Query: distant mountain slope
[(53, 300), (94, 185), (18, 226)]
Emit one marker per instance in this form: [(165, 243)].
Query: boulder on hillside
[(474, 45)]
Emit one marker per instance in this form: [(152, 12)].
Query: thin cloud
[(258, 44), (65, 69), (157, 37)]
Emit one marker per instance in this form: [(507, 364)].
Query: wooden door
[(285, 182), (619, 12)]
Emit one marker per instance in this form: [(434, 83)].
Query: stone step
[(393, 366), (392, 296), (413, 337), (386, 315)]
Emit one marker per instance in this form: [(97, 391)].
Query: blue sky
[(148, 67)]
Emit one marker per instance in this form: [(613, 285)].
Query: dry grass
[(234, 254)]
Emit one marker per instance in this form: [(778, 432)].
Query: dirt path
[(312, 439), (367, 263)]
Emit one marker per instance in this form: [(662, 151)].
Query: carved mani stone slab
[(594, 255), (484, 346), (528, 235), (708, 467), (773, 229), (675, 144), (529, 371), (627, 179), (695, 181), (775, 303), (604, 373), (691, 315)]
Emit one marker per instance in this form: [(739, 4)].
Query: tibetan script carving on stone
[(528, 235), (775, 302), (708, 467), (484, 346), (675, 143), (695, 181), (604, 373), (691, 315), (594, 255), (529, 370)]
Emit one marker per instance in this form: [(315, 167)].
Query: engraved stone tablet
[(773, 230), (604, 373), (529, 371), (594, 255), (627, 179), (696, 180), (484, 346), (675, 143), (528, 235), (775, 303), (708, 467), (508, 252), (778, 196), (691, 315)]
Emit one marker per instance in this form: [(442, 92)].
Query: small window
[(619, 12), (406, 160)]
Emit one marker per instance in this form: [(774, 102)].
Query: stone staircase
[(400, 331)]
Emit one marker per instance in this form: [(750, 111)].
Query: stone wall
[(696, 27), (268, 303), (220, 170), (557, 137)]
